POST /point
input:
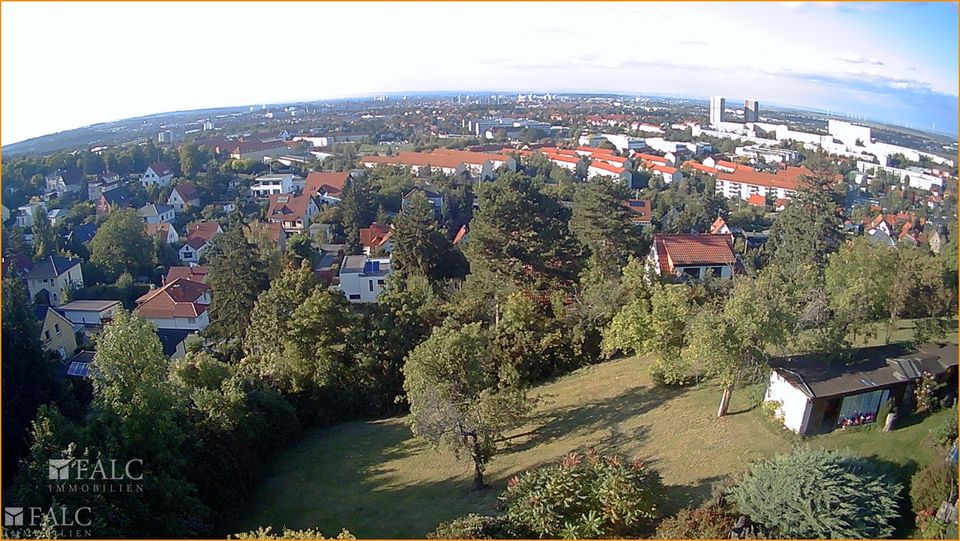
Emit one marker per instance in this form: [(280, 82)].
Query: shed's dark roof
[(870, 368), (171, 338)]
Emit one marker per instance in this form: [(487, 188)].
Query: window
[(191, 320), (355, 297), (692, 271), (63, 352), (371, 285), (46, 335), (56, 327)]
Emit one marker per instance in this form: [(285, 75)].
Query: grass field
[(376, 480)]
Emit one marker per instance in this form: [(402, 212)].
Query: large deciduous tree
[(458, 398), (122, 245)]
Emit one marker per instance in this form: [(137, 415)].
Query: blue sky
[(889, 62)]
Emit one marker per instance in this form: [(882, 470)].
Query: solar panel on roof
[(78, 369)]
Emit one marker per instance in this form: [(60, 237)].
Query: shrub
[(672, 373), (709, 521), (944, 434), (287, 533), (932, 485), (584, 496), (473, 526), (818, 493)]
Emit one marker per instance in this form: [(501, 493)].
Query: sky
[(67, 65)]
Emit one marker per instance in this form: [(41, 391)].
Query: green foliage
[(458, 397), (122, 245), (519, 236), (287, 533), (818, 493), (358, 208), (46, 241), (809, 229), (421, 247), (945, 433), (932, 485), (602, 222), (474, 526), (859, 282), (237, 274), (709, 521), (584, 497)]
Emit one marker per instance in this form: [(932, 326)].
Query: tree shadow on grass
[(680, 496), (606, 414)]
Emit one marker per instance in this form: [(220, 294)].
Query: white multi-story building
[(916, 177), (362, 278), (717, 105), (268, 185)]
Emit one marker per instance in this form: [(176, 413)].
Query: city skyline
[(883, 62)]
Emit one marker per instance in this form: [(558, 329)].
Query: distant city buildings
[(751, 111), (717, 105)]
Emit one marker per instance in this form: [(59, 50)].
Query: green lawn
[(377, 481)]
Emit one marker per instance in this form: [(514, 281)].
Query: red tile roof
[(197, 273), (461, 234), (317, 180), (203, 230), (187, 191), (700, 167), (787, 179), (285, 207), (607, 167), (161, 229), (692, 250), (757, 200), (161, 169), (375, 235), (664, 169), (176, 299), (717, 226), (642, 210)]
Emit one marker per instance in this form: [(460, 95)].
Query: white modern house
[(267, 185), (26, 213), (90, 313), (362, 278)]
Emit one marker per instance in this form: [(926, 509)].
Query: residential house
[(720, 227), (97, 187), (26, 213), (53, 277), (183, 195), (292, 212), (599, 168), (362, 278), (65, 181), (267, 185), (179, 304), (326, 187), (193, 249), (174, 342), (56, 217), (936, 241), (83, 233), (813, 395), (196, 273), (79, 366), (206, 229), (90, 313), (641, 211), (155, 214), (667, 173), (118, 197), (157, 174), (376, 239), (435, 198), (692, 255), (56, 331), (164, 231)]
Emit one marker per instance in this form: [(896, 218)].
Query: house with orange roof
[(292, 212), (326, 186), (692, 256), (451, 162), (641, 211), (164, 231), (667, 173), (376, 238), (179, 304), (720, 227), (697, 166), (757, 200), (196, 273), (603, 169)]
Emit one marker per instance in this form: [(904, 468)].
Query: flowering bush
[(857, 420)]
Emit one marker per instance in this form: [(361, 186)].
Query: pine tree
[(602, 222), (359, 210), (236, 275)]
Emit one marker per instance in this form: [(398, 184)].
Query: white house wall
[(794, 405)]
